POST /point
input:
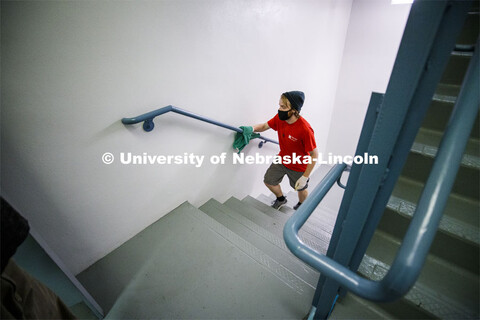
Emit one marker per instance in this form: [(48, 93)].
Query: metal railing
[(421, 232), (148, 124)]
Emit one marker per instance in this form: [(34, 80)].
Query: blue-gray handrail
[(148, 117), (414, 249)]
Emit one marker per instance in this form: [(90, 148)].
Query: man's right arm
[(261, 127)]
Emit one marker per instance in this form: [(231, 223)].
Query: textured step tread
[(455, 69), (318, 214), (200, 269), (354, 307), (317, 223), (351, 307), (467, 182), (427, 142), (272, 225), (460, 218), (446, 246), (311, 227), (438, 116), (259, 239), (287, 209), (442, 289), (451, 90)]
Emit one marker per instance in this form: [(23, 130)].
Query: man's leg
[(293, 176), (302, 195), (273, 177), (277, 190)]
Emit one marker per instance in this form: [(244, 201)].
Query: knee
[(271, 185), (303, 192)]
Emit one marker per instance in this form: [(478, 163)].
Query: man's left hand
[(300, 184)]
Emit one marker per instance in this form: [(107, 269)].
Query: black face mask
[(283, 115)]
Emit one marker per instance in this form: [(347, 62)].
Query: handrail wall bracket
[(148, 125)]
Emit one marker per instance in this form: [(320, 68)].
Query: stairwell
[(220, 261), (229, 260)]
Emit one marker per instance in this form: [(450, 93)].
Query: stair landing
[(197, 268)]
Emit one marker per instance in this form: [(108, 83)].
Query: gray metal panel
[(32, 258)]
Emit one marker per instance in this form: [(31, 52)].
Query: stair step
[(273, 225), (458, 238), (259, 238), (469, 33), (460, 218), (460, 253), (448, 90), (321, 220), (197, 268), (467, 182), (326, 214), (456, 69), (427, 143), (437, 118), (311, 227), (442, 289), (322, 214), (268, 201), (354, 307)]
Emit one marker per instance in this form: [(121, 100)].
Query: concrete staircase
[(224, 261), (219, 261)]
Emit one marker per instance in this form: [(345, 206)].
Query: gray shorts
[(276, 172)]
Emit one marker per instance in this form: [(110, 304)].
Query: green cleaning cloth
[(242, 139)]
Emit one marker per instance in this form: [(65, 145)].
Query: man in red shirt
[(297, 142)]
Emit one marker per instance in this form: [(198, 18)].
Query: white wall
[(374, 35), (71, 70)]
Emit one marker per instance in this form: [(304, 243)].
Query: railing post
[(420, 234), (325, 295), (444, 44), (410, 88)]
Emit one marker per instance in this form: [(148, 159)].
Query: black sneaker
[(277, 204), (297, 206)]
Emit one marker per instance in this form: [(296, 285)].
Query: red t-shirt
[(293, 138)]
